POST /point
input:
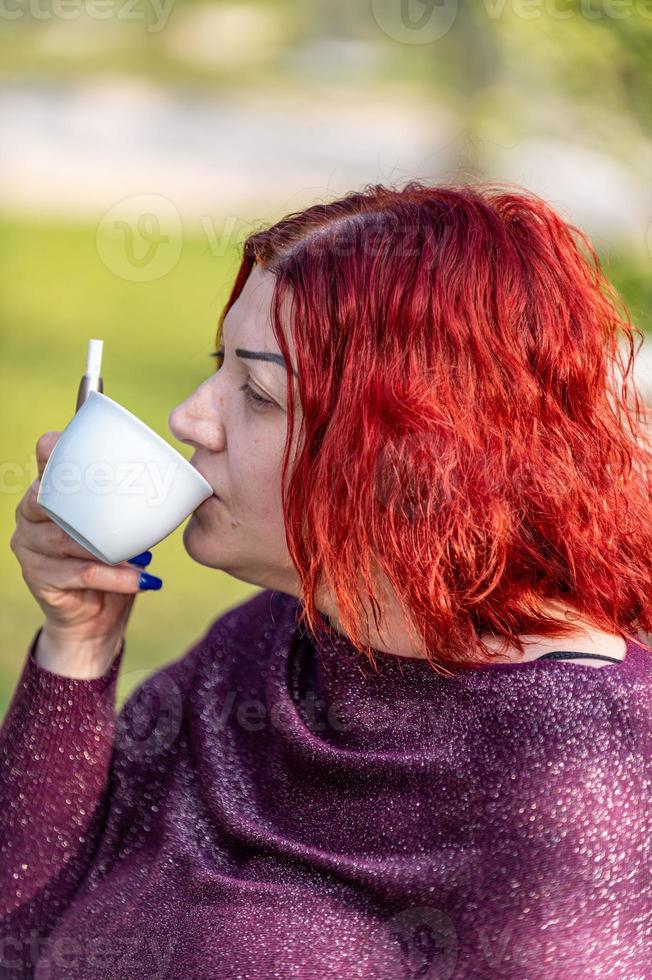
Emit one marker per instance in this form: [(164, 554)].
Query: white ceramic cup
[(114, 485)]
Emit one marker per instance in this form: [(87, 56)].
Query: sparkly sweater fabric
[(267, 807)]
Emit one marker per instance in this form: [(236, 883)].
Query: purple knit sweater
[(269, 807)]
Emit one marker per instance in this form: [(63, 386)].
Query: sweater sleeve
[(56, 746)]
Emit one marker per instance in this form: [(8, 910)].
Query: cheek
[(257, 483)]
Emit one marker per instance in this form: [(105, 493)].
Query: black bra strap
[(567, 654)]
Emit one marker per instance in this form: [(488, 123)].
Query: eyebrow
[(261, 355)]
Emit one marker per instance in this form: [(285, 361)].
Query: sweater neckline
[(339, 671), (337, 694)]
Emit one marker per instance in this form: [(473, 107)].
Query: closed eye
[(250, 394)]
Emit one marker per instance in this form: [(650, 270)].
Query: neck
[(393, 637)]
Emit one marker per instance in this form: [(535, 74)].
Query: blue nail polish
[(147, 581), (143, 559)]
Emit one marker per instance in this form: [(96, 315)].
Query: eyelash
[(250, 394)]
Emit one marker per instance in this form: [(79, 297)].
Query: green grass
[(57, 293)]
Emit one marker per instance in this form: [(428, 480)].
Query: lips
[(204, 475)]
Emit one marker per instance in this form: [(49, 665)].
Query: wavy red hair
[(471, 434)]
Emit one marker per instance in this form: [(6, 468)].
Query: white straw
[(94, 358)]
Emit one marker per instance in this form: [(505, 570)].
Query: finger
[(75, 573), (28, 508), (40, 534), (47, 538), (44, 447)]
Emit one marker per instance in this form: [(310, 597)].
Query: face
[(239, 442)]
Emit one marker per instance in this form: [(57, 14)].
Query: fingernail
[(143, 559), (147, 581)]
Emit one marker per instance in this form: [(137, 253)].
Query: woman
[(398, 758)]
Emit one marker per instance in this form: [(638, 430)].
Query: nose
[(197, 422)]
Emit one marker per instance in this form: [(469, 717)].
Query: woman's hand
[(86, 602)]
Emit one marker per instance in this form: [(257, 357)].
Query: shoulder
[(561, 706), (562, 741)]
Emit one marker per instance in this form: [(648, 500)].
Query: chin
[(200, 546), (196, 541)]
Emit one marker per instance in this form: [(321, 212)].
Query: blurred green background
[(157, 338), (142, 142)]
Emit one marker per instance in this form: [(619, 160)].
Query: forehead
[(253, 306), (250, 315), (248, 323)]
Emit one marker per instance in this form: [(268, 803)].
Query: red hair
[(465, 434)]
